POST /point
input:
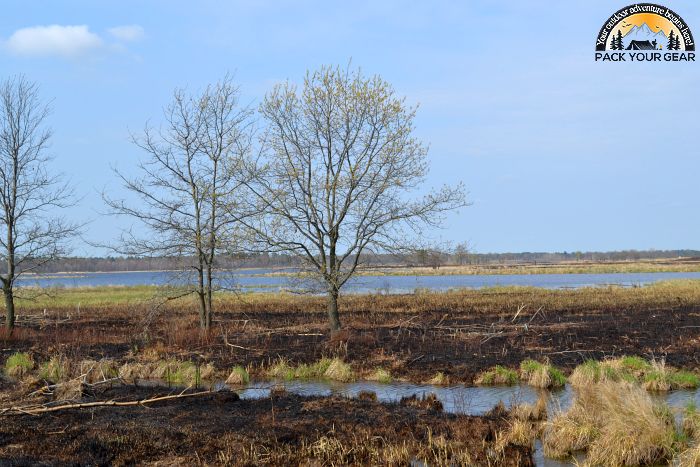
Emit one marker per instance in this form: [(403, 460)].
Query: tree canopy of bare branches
[(29, 194), (339, 176), (189, 185)]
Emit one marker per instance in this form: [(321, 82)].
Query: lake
[(255, 280)]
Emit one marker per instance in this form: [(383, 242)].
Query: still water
[(256, 280), (458, 399)]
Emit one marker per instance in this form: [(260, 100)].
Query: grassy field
[(486, 300)]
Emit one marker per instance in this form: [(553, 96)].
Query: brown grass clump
[(427, 401), (440, 379), (57, 369), (238, 376), (367, 396), (689, 458), (69, 391), (531, 412), (134, 371), (618, 423), (519, 433), (94, 371), (338, 370), (691, 422)]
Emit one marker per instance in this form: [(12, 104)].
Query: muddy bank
[(285, 429)]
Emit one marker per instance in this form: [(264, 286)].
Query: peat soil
[(454, 339), (285, 429)]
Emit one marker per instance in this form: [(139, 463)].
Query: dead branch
[(37, 410)]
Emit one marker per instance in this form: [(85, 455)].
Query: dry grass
[(98, 370), (617, 423), (338, 370), (57, 369), (689, 458), (238, 376), (439, 379), (531, 412), (541, 375), (578, 267), (691, 421), (380, 375)]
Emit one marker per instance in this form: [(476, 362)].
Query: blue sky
[(558, 152)]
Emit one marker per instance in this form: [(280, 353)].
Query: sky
[(558, 152)]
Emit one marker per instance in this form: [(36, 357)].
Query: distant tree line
[(435, 257)]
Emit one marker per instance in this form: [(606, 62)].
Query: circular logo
[(645, 27)]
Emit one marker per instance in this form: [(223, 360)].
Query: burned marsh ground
[(444, 338)]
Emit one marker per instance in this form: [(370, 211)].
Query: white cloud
[(53, 40), (127, 33)]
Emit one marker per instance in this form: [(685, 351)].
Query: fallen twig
[(34, 410)]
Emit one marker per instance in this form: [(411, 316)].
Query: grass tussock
[(498, 375), (653, 375), (325, 368), (691, 421), (663, 378), (689, 458), (94, 371), (541, 375), (617, 423), (281, 370), (381, 375), (439, 379), (338, 370), (19, 364), (536, 412), (525, 424), (238, 376), (174, 372), (56, 370)]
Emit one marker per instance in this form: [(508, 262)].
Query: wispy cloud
[(53, 40), (128, 33)]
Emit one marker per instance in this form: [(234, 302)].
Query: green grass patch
[(498, 375), (55, 370), (281, 370), (684, 380), (541, 375), (315, 370), (338, 370), (381, 375), (19, 364)]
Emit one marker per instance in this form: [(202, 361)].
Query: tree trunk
[(333, 317), (209, 305), (10, 308), (202, 310)]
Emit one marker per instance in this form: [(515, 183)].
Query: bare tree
[(340, 166), (188, 186), (461, 252), (29, 194)]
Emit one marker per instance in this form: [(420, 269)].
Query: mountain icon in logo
[(642, 34)]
